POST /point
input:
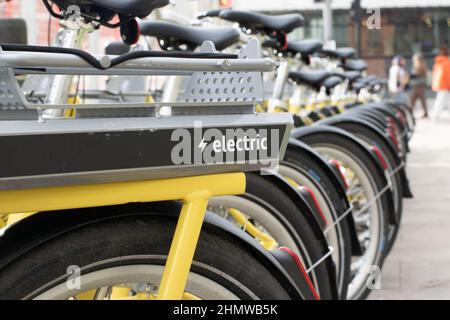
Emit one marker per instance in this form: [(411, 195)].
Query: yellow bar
[(13, 218), (294, 109), (88, 295), (190, 296), (3, 220), (266, 240), (183, 247), (85, 196), (120, 292), (292, 182)]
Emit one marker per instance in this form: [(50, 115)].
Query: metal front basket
[(214, 121)]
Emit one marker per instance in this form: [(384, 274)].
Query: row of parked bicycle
[(277, 162)]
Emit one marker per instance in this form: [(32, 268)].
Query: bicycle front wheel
[(123, 258)]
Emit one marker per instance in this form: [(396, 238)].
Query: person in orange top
[(441, 82)]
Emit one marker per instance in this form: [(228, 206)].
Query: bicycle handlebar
[(104, 65)]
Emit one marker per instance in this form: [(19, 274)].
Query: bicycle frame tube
[(70, 37), (172, 89), (282, 76), (183, 246), (281, 79), (193, 191)]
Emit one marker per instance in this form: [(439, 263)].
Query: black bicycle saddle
[(305, 47), (283, 23), (175, 34), (136, 8), (313, 79), (340, 53)]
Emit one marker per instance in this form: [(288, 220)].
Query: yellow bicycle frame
[(193, 191)]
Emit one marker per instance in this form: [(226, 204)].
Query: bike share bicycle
[(102, 189)]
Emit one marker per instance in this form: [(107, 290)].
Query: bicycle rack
[(113, 142)]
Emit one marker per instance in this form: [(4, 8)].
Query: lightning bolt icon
[(202, 145)]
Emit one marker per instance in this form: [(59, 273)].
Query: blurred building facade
[(406, 26)]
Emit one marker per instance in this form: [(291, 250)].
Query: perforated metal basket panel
[(10, 97), (226, 86)]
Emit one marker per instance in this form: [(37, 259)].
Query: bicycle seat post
[(282, 75), (74, 29)]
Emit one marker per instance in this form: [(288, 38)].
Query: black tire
[(358, 153), (262, 192), (316, 175), (141, 239)]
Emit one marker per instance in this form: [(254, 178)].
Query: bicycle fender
[(25, 235), (305, 208)]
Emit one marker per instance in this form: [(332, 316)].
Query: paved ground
[(419, 265)]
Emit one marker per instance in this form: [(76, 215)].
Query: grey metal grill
[(225, 86)]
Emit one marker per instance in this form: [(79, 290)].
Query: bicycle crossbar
[(81, 196)]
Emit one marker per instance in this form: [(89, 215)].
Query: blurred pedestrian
[(398, 80), (419, 82), (441, 82)]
